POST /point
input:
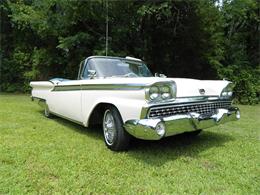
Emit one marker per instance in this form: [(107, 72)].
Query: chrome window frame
[(108, 57)]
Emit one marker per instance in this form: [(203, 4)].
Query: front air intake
[(201, 108)]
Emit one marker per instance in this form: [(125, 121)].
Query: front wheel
[(115, 136)]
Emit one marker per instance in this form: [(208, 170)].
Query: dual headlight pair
[(227, 92), (166, 91), (161, 91)]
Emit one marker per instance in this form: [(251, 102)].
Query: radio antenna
[(106, 26)]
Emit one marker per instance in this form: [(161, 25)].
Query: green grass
[(40, 155)]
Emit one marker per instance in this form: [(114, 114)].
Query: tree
[(242, 56), (45, 39)]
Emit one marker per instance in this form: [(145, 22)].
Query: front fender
[(128, 103)]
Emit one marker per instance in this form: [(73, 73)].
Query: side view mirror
[(92, 74), (160, 75)]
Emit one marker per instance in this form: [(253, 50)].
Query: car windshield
[(109, 67)]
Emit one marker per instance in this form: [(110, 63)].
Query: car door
[(65, 100)]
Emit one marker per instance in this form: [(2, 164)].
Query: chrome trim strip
[(202, 97), (112, 57), (66, 88), (113, 87), (99, 87), (179, 100)]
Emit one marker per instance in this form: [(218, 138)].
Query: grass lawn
[(40, 155)]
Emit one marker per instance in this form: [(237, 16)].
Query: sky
[(219, 3)]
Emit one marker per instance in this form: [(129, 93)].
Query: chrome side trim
[(179, 100), (66, 88), (113, 87), (99, 87), (196, 98)]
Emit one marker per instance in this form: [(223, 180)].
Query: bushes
[(241, 44), (246, 82)]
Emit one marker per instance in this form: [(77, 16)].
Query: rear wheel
[(115, 136)]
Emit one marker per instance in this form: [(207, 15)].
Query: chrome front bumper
[(148, 128)]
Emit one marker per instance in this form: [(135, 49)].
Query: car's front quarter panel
[(128, 102)]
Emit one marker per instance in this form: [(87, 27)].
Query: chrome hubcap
[(109, 127)]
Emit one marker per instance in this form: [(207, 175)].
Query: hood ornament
[(202, 91)]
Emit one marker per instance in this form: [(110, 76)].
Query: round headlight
[(154, 92), (165, 92), (224, 93), (154, 96), (154, 89), (227, 91), (165, 89), (166, 96)]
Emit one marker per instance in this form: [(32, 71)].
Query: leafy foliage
[(242, 55), (45, 39)]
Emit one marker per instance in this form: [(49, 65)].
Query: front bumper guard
[(147, 128)]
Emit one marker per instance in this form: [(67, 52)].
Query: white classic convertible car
[(123, 96)]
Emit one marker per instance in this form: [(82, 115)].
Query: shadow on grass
[(157, 153), (93, 131)]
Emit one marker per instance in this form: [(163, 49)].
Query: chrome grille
[(201, 108)]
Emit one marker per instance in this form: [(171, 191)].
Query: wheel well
[(96, 116)]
